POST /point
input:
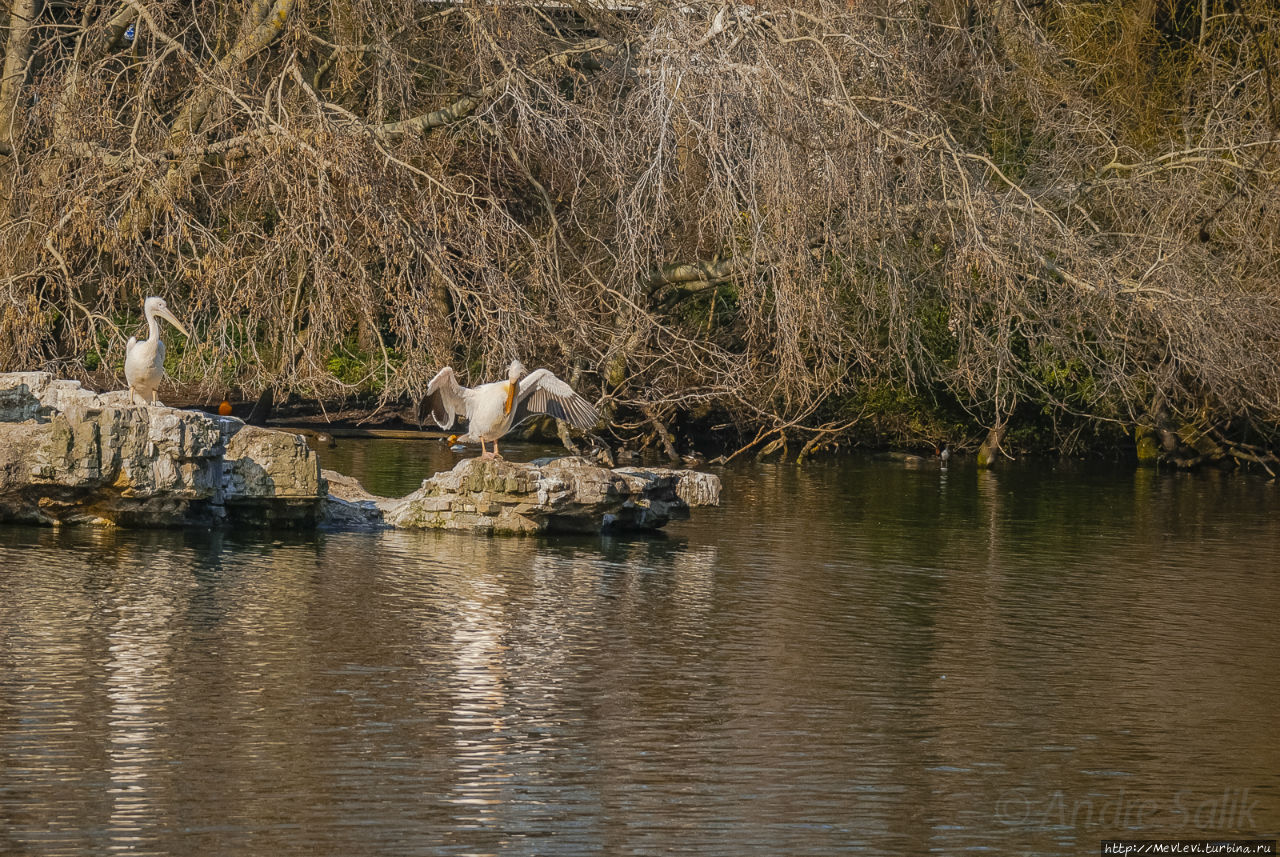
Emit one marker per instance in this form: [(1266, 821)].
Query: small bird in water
[(945, 454), (144, 361), (491, 410)]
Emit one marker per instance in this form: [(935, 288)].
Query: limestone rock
[(548, 495), (350, 507), (69, 455)]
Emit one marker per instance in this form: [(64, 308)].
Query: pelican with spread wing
[(492, 410), (144, 361)]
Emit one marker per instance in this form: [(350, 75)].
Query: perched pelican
[(144, 361), (492, 410)]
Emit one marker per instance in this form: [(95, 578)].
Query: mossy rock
[(986, 457), (989, 451), (1147, 446)]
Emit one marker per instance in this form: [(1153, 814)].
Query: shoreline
[(360, 416)]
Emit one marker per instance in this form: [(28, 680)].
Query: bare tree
[(1061, 213)]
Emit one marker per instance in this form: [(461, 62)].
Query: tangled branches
[(1061, 214)]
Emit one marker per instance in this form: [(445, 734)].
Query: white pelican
[(492, 410), (144, 361)]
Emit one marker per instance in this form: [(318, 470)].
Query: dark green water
[(852, 657)]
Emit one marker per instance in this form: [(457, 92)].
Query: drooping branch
[(712, 271), (263, 24), (242, 145), (465, 106)]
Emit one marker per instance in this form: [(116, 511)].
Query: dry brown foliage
[(772, 208)]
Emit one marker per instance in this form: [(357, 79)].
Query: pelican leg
[(495, 449), (484, 453)]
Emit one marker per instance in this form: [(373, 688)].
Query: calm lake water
[(851, 657)]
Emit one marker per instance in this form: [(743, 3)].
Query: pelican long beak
[(165, 314), (511, 397)]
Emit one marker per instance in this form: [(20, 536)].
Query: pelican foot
[(487, 455)]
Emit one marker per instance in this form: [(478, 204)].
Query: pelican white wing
[(541, 392), (446, 398)]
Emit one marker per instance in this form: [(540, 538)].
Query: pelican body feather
[(144, 360)]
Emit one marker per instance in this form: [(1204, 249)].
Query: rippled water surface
[(852, 657)]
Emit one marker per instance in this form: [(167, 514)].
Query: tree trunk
[(17, 56), (989, 452)]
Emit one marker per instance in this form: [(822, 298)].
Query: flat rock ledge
[(72, 456), (547, 495)]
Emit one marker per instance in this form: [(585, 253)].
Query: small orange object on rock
[(225, 408)]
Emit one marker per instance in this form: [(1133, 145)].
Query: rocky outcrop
[(72, 456), (548, 495)]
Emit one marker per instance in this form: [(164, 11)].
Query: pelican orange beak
[(172, 319), (511, 397)]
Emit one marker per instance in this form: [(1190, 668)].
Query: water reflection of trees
[(1035, 627), (846, 656)]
